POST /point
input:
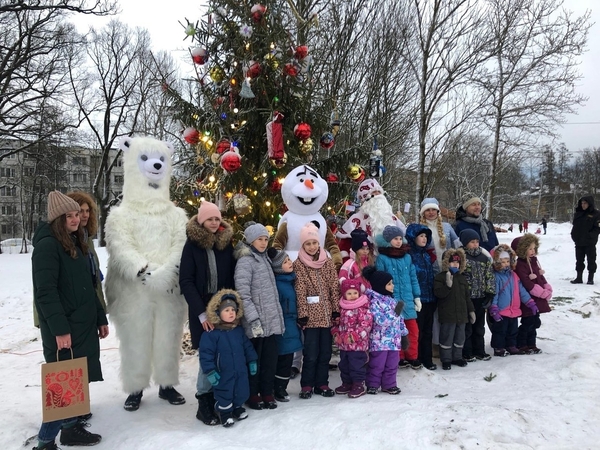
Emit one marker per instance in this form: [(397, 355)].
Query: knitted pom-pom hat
[(59, 204)]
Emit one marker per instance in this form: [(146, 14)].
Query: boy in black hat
[(227, 355)]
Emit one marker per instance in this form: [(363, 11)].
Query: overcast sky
[(580, 131)]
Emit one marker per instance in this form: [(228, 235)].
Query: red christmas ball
[(301, 52), (257, 12), (302, 131), (191, 135), (199, 55), (222, 146), (231, 161), (332, 178), (327, 140), (275, 186), (254, 70), (290, 70)]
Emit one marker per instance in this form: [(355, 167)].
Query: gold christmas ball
[(278, 163), (306, 146), (353, 171), (217, 74)]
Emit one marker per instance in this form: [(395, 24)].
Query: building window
[(79, 160), (28, 171), (7, 229), (119, 179), (5, 151), (119, 162), (80, 177), (7, 172), (8, 210), (6, 191)]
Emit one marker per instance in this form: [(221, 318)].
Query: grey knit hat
[(277, 258), (392, 231), (59, 204), (254, 231)]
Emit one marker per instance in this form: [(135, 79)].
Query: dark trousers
[(452, 339), (353, 366), (284, 370), (266, 349), (582, 252), (504, 333), (527, 334), (231, 392), (316, 356), (425, 322), (474, 333)]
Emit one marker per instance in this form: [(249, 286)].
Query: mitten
[(418, 304), (546, 294), (399, 307), (472, 317), (548, 287), (489, 298), (404, 342), (302, 321), (253, 367), (213, 377), (495, 313), (532, 306), (257, 329), (448, 279)]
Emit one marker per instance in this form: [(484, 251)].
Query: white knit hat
[(59, 204), (429, 203)]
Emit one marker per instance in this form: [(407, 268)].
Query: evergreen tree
[(253, 73)]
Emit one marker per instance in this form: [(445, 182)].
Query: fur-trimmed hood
[(212, 310), (446, 259), (522, 243), (207, 240), (496, 256), (415, 229)]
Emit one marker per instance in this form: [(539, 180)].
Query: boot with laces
[(46, 446), (171, 395), (132, 403), (357, 390), (78, 435), (345, 388)]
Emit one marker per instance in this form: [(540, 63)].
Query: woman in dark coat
[(586, 227), (207, 265), (70, 313)]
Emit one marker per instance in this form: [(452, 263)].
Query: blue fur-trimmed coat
[(421, 260), (398, 263)]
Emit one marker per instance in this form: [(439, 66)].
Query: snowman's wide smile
[(306, 201)]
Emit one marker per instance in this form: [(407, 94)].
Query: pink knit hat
[(206, 211), (350, 283), (309, 231)]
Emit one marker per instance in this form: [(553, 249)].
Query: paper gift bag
[(65, 389)]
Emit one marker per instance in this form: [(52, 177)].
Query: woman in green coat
[(70, 313)]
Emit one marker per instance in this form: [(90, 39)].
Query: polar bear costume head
[(147, 169), (304, 191)]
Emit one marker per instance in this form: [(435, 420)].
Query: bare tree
[(95, 7), (531, 85)]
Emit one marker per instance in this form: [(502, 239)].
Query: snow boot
[(357, 390), (590, 278), (255, 402), (206, 413), (227, 419), (240, 413), (269, 402), (394, 390), (132, 403), (46, 446), (500, 352), (372, 390), (78, 435), (281, 395), (171, 395), (515, 351), (306, 392), (324, 391), (446, 366), (345, 388), (460, 363), (579, 279)]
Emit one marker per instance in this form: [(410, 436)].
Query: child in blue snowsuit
[(226, 356)]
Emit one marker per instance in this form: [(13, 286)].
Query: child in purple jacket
[(388, 335), (352, 338)]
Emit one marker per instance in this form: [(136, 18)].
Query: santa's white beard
[(380, 213)]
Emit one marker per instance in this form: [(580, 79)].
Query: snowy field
[(545, 401)]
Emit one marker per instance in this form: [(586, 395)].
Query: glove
[(418, 304), (472, 317), (533, 307), (448, 279), (213, 377), (257, 329), (399, 307), (453, 270), (495, 313), (489, 298), (302, 321), (404, 342), (253, 367)]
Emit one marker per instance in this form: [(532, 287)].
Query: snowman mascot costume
[(304, 193), (145, 235)]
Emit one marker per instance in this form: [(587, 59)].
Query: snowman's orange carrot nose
[(309, 184)]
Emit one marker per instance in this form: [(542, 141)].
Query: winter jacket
[(479, 273), (66, 300), (322, 283), (351, 271), (510, 293), (388, 328), (356, 322), (586, 223), (226, 349), (454, 304), (531, 275), (461, 224), (398, 263), (290, 341), (421, 260), (255, 282), (194, 273)]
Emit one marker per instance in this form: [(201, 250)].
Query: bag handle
[(58, 359)]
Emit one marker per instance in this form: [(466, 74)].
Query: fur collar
[(522, 243), (446, 259), (207, 240), (212, 310)]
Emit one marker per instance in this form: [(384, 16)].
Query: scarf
[(212, 271), (435, 238), (355, 304), (394, 252), (483, 227), (310, 262)]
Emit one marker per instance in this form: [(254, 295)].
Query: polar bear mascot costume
[(304, 193), (145, 235)]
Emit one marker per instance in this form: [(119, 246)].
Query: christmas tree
[(254, 113)]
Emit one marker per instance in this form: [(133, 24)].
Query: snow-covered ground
[(546, 401)]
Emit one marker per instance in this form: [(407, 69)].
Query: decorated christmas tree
[(254, 113)]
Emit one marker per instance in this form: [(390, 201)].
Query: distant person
[(510, 228), (544, 224), (520, 227), (525, 226), (468, 215), (586, 227)]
